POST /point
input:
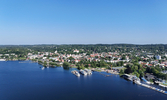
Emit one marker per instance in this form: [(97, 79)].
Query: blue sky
[(83, 21)]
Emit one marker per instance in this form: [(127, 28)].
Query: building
[(77, 51), (149, 76), (165, 54), (158, 57), (55, 51), (33, 56)]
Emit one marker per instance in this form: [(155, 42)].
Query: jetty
[(137, 81), (150, 87), (163, 85), (112, 72), (105, 75), (153, 88)]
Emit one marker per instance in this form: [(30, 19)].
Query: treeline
[(140, 71), (97, 48), (157, 72)]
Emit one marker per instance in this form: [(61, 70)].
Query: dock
[(151, 87), (105, 75), (112, 72)]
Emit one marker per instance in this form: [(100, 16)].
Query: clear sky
[(83, 21)]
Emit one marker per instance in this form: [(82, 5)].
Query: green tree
[(66, 65), (136, 73), (121, 72), (81, 66)]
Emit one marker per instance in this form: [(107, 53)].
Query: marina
[(137, 81), (83, 72), (151, 87)]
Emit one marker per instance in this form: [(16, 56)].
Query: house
[(76, 60), (33, 56), (56, 52), (158, 57), (6, 54), (150, 56), (162, 65), (165, 54), (149, 65), (77, 51), (44, 58), (13, 54), (92, 55)]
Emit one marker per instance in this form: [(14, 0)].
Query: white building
[(6, 54), (13, 54), (165, 54), (33, 56), (29, 54), (55, 51), (46, 53), (77, 51), (158, 57)]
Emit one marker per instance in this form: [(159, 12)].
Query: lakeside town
[(149, 66)]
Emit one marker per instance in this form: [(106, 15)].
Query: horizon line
[(84, 44)]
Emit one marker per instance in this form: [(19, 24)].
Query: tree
[(115, 58), (45, 64), (66, 65), (141, 73), (81, 66), (121, 72), (123, 57), (136, 73), (71, 58), (128, 70)]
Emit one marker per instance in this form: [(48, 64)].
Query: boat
[(2, 60), (43, 68), (89, 72), (128, 77), (138, 82), (145, 80), (75, 73), (83, 72)]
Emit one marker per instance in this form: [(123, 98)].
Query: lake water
[(26, 81)]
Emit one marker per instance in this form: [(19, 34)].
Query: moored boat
[(89, 72), (43, 68), (75, 73), (83, 72), (2, 60)]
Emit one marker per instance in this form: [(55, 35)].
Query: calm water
[(26, 81)]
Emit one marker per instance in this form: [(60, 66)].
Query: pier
[(137, 81), (151, 87), (105, 75)]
